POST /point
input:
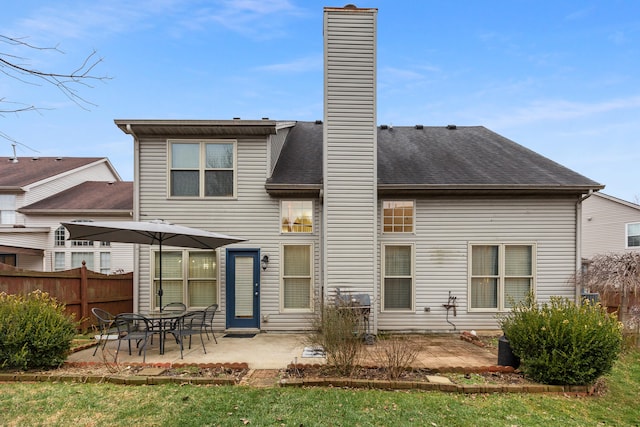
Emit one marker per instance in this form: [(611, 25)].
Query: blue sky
[(561, 78)]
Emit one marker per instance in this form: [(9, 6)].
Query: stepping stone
[(152, 372), (438, 380)]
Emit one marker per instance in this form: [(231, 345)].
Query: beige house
[(420, 219), (38, 193), (609, 225)]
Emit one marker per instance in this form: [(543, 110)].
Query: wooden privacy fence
[(79, 289)]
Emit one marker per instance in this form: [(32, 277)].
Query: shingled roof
[(28, 170), (432, 160), (94, 197)]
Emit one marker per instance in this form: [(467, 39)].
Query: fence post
[(84, 296)]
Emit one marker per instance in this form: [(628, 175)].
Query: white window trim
[(626, 236), (202, 169), (413, 277), (311, 281), (501, 273), (298, 233), (185, 274), (413, 201)]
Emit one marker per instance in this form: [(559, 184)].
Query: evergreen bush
[(560, 342), (35, 332)]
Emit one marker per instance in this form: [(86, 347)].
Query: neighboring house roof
[(29, 170), (432, 159), (114, 198)]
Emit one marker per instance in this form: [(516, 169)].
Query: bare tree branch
[(611, 273), (18, 67)]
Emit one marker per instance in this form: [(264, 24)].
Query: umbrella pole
[(160, 284)]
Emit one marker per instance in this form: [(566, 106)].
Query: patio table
[(160, 319)]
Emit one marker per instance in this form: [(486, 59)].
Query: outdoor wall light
[(264, 262)]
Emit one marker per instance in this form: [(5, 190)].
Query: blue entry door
[(243, 288)]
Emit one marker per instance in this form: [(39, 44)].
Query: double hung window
[(189, 277), (398, 277), (105, 262), (296, 277), (633, 235), (202, 168), (7, 209), (501, 275)]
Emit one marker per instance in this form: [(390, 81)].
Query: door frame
[(231, 320)]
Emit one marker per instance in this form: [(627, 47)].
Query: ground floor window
[(58, 261), (296, 277), (189, 277), (78, 257), (501, 275), (105, 262), (633, 235), (397, 284)]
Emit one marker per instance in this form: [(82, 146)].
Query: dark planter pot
[(505, 354)]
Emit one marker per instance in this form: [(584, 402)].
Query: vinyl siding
[(444, 229), (253, 214), (604, 225), (350, 150)]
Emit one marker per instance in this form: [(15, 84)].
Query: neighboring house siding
[(121, 254), (444, 228), (604, 221), (350, 192), (253, 214)]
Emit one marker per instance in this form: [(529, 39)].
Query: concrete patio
[(277, 351)]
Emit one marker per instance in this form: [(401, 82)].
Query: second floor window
[(7, 209), (202, 169), (60, 236), (398, 216), (296, 216)]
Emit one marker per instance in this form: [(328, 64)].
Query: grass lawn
[(62, 404)]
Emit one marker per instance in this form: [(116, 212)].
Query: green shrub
[(563, 343), (337, 331), (35, 332)]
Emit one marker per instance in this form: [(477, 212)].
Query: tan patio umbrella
[(155, 232)]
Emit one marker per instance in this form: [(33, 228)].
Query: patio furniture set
[(173, 319)]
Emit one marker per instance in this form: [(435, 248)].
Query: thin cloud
[(252, 18), (309, 63), (555, 110)]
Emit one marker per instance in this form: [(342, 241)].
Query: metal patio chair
[(209, 314), (105, 325), (190, 324), (133, 327)]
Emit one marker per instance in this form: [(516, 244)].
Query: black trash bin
[(505, 354)]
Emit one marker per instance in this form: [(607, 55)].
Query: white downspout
[(578, 265)]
